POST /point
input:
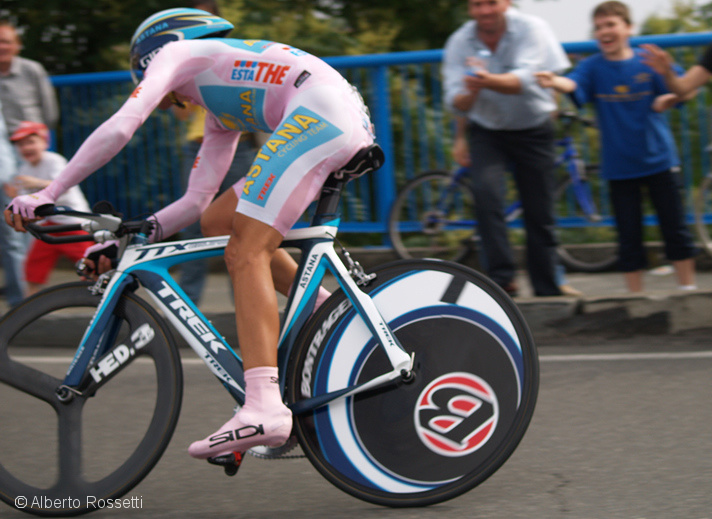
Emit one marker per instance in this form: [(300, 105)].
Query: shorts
[(325, 127)]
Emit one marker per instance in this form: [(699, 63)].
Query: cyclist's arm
[(111, 137), (172, 67), (209, 170)]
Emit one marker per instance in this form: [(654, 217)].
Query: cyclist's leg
[(216, 221), (264, 419)]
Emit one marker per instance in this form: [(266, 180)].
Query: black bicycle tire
[(401, 249), (702, 231), (326, 322), (169, 387), (577, 264)]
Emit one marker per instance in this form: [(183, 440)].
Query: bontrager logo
[(456, 414), (315, 345)]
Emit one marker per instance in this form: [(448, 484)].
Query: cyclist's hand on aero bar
[(22, 209), (98, 258)]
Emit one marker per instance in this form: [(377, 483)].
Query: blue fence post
[(385, 179)]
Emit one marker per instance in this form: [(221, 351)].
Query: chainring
[(273, 453)]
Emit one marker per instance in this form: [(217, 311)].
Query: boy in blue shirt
[(637, 146)]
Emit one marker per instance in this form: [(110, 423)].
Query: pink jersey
[(316, 119)]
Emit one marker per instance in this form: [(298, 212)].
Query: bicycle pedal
[(230, 462)]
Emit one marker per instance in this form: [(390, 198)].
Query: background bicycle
[(703, 208), (409, 386), (433, 215)]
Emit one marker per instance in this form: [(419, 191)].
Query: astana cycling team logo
[(456, 414)]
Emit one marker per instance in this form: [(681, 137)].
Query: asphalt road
[(622, 429)]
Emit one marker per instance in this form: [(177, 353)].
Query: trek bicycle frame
[(148, 265)]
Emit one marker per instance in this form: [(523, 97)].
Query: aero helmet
[(172, 25)]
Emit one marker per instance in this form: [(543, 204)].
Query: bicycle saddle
[(366, 160)]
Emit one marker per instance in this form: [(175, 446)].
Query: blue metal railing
[(404, 93)]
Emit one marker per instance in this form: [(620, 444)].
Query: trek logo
[(136, 91), (259, 72), (122, 353), (456, 414), (242, 433), (182, 310), (266, 186)]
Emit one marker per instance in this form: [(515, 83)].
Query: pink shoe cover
[(243, 432), (263, 420)]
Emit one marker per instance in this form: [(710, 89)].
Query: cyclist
[(317, 123)]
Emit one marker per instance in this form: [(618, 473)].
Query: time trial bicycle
[(433, 215), (409, 386)]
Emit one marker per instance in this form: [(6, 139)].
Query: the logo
[(456, 414), (248, 431), (302, 78), (315, 346), (145, 60), (259, 72), (301, 131), (122, 353), (643, 77)]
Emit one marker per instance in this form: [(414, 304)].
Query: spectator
[(25, 90), (194, 273), (12, 249), (504, 118), (40, 167), (637, 146)]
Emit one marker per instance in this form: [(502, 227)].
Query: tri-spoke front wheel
[(66, 455)]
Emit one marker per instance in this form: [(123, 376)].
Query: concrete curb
[(654, 313)]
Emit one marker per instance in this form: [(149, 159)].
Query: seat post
[(328, 203)]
